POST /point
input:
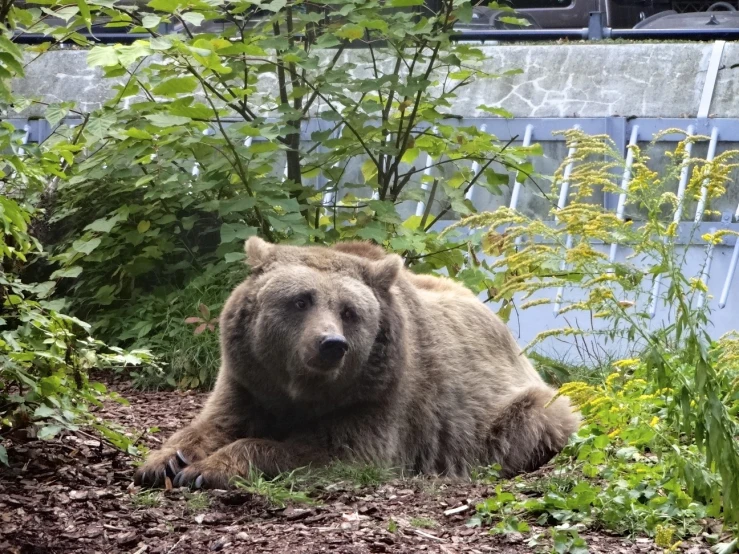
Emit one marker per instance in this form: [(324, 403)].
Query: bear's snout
[(331, 349)]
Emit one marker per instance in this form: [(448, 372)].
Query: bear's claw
[(195, 477), (154, 474), (176, 464)]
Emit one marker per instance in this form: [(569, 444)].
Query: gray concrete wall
[(597, 80), (558, 80)]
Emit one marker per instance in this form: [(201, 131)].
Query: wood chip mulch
[(72, 494)]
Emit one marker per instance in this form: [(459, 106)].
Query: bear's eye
[(301, 303), (348, 314)]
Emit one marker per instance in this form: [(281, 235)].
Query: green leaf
[(12, 64), (85, 13), (460, 75), (230, 233), (105, 295), (49, 432), (375, 24), (514, 21), (103, 225), (495, 111), (44, 411), (350, 32), (143, 226), (193, 18), (234, 257), (411, 155), (166, 120), (69, 272), (262, 147), (137, 134), (274, 5), (176, 85), (196, 111), (55, 113), (10, 47), (369, 170), (3, 455), (238, 205), (85, 246), (98, 126), (102, 56), (405, 3), (327, 41), (374, 232), (160, 43), (128, 55), (42, 290), (169, 6), (151, 21), (66, 13)]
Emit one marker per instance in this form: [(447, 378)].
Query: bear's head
[(315, 318)]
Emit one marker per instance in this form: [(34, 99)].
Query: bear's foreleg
[(187, 446), (527, 433), (238, 458)]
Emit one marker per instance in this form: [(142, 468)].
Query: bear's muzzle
[(331, 349)]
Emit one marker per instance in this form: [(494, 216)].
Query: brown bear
[(342, 354)]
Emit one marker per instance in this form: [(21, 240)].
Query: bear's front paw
[(167, 462), (210, 473)]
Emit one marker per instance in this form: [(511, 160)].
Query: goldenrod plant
[(660, 432)]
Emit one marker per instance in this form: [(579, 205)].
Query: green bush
[(162, 185), (45, 354), (661, 434), (180, 325)]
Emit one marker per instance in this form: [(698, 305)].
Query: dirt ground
[(73, 494)]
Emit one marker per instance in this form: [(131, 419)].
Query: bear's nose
[(332, 348)]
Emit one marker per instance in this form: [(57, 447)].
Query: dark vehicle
[(618, 14), (548, 16)]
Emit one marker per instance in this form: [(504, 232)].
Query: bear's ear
[(257, 251), (384, 273)]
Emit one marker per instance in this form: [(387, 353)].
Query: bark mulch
[(73, 494)]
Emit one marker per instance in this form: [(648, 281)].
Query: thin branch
[(429, 203), (330, 66), (238, 166)]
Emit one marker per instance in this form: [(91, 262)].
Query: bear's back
[(430, 283)]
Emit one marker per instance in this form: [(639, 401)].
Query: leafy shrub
[(660, 437), (170, 322), (45, 354), (273, 125), (624, 470)]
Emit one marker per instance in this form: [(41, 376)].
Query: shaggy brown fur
[(340, 353)]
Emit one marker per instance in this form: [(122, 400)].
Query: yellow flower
[(629, 363), (614, 433), (698, 284), (598, 401), (654, 422), (712, 238)]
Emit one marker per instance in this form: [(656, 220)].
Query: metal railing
[(716, 264), (596, 30)]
